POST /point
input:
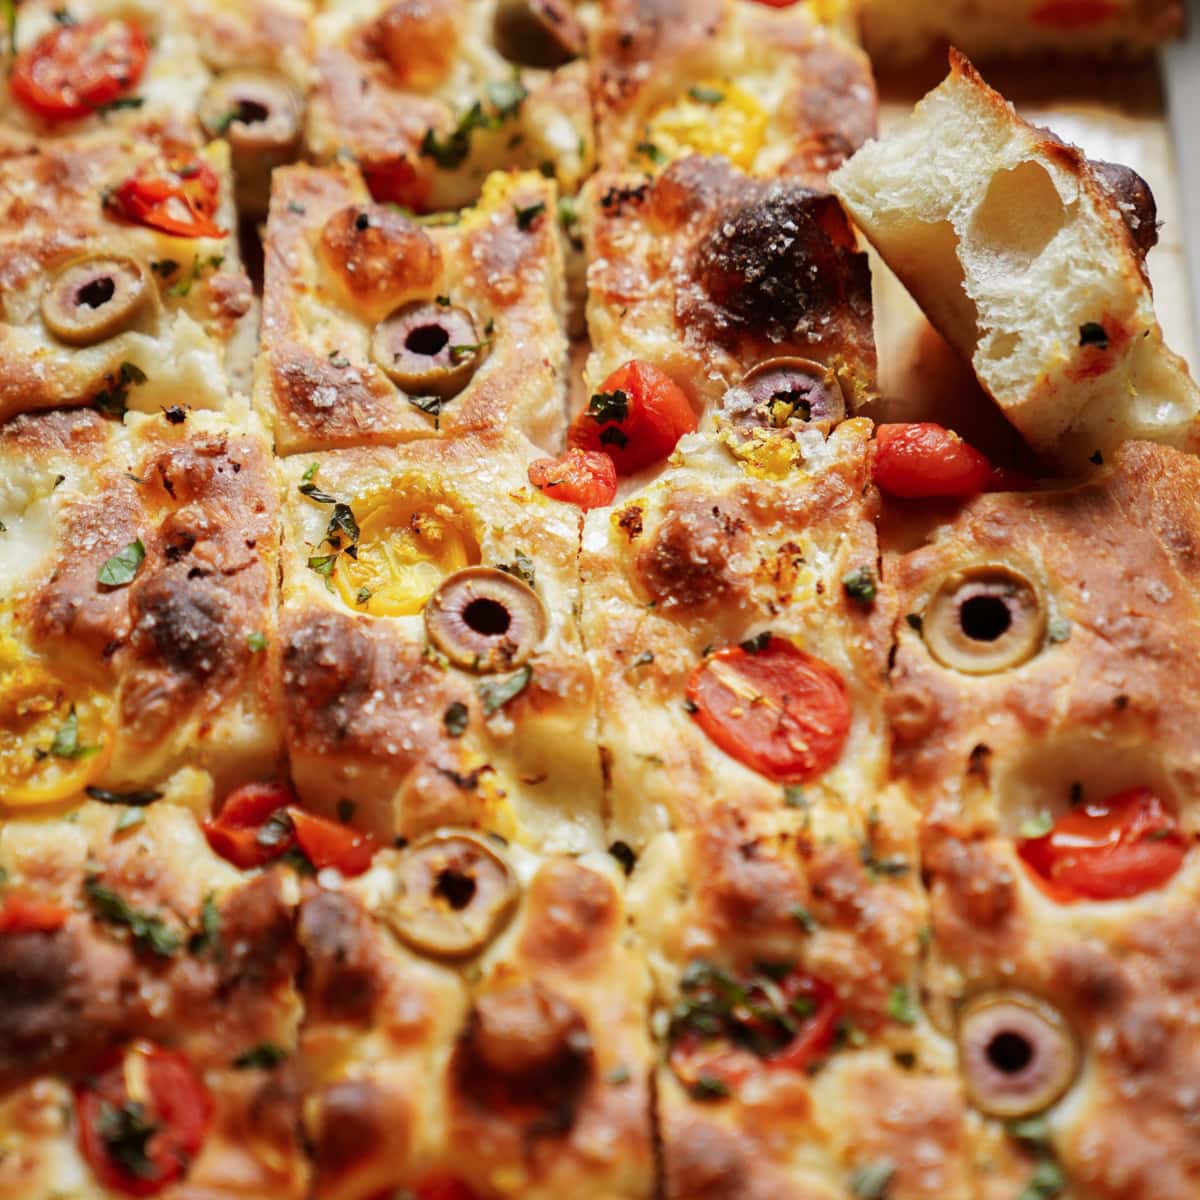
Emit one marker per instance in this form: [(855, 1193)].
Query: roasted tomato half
[(926, 462), (180, 199)]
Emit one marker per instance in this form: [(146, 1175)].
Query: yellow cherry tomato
[(710, 117)]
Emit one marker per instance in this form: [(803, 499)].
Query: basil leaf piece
[(123, 566), (66, 739), (496, 693), (262, 1057), (149, 931)]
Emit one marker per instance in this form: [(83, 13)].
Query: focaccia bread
[(775, 92), (429, 97), (378, 329), (497, 1042), (901, 33), (433, 670), (1031, 262), (138, 603), (122, 285)]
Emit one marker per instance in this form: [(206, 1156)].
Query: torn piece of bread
[(1030, 260)]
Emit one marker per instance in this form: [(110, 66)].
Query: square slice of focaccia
[(476, 1026), (432, 665), (776, 91), (705, 273), (377, 329), (147, 1009), (902, 33), (731, 626), (109, 299), (137, 610), (983, 217), (430, 97), (796, 1061)]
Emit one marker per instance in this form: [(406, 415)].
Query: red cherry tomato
[(329, 844), (578, 477), (234, 832), (179, 200), (785, 1025), (927, 461), (1108, 850), (444, 1189), (636, 418), (783, 713), (397, 182), (140, 1143), (1071, 15), (23, 912), (73, 70)]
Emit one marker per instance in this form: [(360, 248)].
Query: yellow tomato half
[(711, 117)]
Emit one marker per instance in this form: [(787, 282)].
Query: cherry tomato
[(1108, 850), (636, 418), (23, 912), (1070, 15), (787, 1024), (444, 1189), (578, 477), (179, 200), (782, 712), (140, 1143), (234, 833), (73, 70), (329, 844), (927, 461), (397, 182)]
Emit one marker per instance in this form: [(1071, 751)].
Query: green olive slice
[(1018, 1054), (537, 33), (485, 620), (984, 619), (94, 298), (428, 349), (454, 893)]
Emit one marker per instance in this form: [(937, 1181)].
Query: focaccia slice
[(429, 98), (984, 217), (147, 1009), (377, 329), (897, 34), (102, 304), (476, 1025), (785, 955), (715, 580), (776, 91), (137, 614), (474, 707), (705, 272)]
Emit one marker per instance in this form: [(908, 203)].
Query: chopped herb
[(128, 819), (10, 24), (610, 435), (1058, 629), (432, 405), (456, 718), (619, 1076), (901, 1005), (164, 268), (199, 265), (873, 1181), (323, 565), (342, 530), (276, 829), (123, 566), (506, 96), (256, 642), (705, 95), (496, 693), (66, 739), (126, 1134), (646, 657), (135, 798), (1037, 826), (149, 931), (793, 796), (1033, 1130), (208, 939), (345, 811), (3, 527), (758, 643), (1047, 1181), (338, 359), (294, 206), (362, 595), (1092, 333), (450, 151), (623, 853), (63, 17), (111, 399), (175, 414), (568, 211), (860, 585), (467, 349), (262, 1057), (690, 706), (708, 1087), (803, 918), (298, 861), (221, 125), (521, 567), (121, 102), (1096, 458), (605, 407), (527, 216), (915, 621), (905, 1059), (315, 494), (652, 152)]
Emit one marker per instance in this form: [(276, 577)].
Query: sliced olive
[(984, 619), (95, 297), (454, 894), (781, 391), (1018, 1053), (537, 33), (485, 620), (428, 349), (261, 115)]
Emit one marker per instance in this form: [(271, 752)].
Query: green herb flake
[(257, 642), (619, 1076), (262, 1057), (793, 796), (803, 918), (338, 359), (309, 472), (610, 435), (873, 1181), (652, 152), (706, 95), (708, 1087), (111, 399), (126, 1134), (496, 693), (623, 852), (902, 1006), (294, 206), (123, 566), (362, 595), (66, 739), (316, 494), (466, 350), (1047, 1181), (199, 266), (1058, 629), (323, 565), (149, 931), (915, 621), (208, 939), (1037, 826), (128, 819), (1032, 1130), (164, 268), (521, 568), (430, 405), (860, 585), (606, 407), (134, 798), (121, 102), (526, 216), (456, 718), (758, 643)]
